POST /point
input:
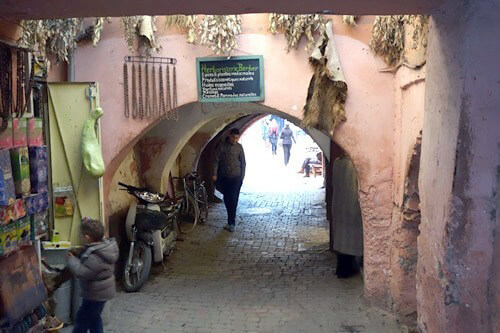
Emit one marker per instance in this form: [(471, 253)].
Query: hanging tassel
[(126, 108)]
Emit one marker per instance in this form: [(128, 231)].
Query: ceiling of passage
[(36, 9)]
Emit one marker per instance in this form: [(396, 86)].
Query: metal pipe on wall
[(70, 75)]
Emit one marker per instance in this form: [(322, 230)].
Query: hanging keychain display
[(126, 105), (152, 94), (141, 96), (169, 98), (154, 97), (134, 93)]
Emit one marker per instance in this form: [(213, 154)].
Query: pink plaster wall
[(90, 66), (408, 116), (457, 272), (367, 135)]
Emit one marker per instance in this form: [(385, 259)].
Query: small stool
[(317, 169)]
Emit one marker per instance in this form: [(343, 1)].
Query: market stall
[(24, 188)]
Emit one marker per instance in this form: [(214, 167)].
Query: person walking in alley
[(95, 268), (229, 171), (273, 137), (287, 137), (264, 129)]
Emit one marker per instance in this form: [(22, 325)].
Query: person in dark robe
[(347, 220)]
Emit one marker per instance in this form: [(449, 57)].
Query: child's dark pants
[(88, 317)]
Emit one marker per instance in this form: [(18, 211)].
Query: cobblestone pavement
[(273, 274)]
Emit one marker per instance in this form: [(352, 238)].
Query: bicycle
[(194, 207)]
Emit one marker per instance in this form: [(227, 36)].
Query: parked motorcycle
[(150, 224)]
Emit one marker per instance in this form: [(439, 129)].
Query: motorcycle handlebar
[(133, 188)]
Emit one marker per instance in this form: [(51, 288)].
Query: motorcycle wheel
[(135, 275)]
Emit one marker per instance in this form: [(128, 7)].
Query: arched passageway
[(274, 273), (166, 148)]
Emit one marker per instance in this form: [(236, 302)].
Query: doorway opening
[(266, 170)]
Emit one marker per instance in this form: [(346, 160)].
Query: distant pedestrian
[(287, 137), (229, 171), (95, 268), (273, 137), (264, 130)]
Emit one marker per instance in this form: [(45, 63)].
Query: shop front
[(45, 189)]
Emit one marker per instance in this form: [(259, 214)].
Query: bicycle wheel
[(202, 198), (189, 215)]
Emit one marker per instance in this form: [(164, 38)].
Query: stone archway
[(163, 143), (367, 135)]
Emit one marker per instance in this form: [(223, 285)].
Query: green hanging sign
[(235, 79)]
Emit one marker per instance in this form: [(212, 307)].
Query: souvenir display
[(35, 132), (7, 190), (6, 136), (13, 212), (21, 170), (21, 287), (38, 169), (39, 223), (24, 231), (20, 132), (6, 214), (8, 238), (19, 209), (37, 203)]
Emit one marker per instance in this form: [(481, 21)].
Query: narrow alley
[(274, 273), (249, 166)]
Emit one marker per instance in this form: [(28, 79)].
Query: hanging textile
[(327, 92)]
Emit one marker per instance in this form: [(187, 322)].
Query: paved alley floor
[(273, 274)]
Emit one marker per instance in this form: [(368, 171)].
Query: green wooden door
[(69, 107)]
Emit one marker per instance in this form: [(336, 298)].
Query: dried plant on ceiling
[(185, 22), (350, 20), (388, 36), (130, 26), (55, 37), (142, 27), (97, 28), (296, 26), (421, 27), (327, 92), (220, 32)]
